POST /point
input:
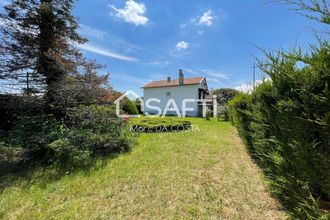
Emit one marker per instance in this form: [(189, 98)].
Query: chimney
[(181, 77), (168, 79)]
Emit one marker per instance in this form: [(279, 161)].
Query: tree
[(37, 45), (314, 9), (225, 95), (82, 88)]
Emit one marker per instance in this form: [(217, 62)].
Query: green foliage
[(94, 130), (91, 130), (240, 111), (47, 57), (190, 160), (225, 95), (34, 133), (285, 123), (159, 124), (223, 112), (13, 107), (138, 106), (129, 107)]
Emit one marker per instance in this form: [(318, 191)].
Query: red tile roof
[(174, 82)]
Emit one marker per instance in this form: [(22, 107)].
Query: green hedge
[(286, 125)]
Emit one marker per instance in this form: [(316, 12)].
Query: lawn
[(205, 173)]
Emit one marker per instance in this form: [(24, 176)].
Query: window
[(168, 93)]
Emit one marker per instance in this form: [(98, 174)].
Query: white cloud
[(212, 75), (212, 80), (245, 88), (162, 64), (200, 32), (90, 31), (183, 26), (216, 74), (123, 77), (105, 52), (182, 45), (207, 18), (191, 71), (248, 87), (106, 38), (133, 12)]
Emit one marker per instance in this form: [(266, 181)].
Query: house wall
[(178, 93)]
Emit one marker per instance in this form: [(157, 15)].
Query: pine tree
[(37, 45)]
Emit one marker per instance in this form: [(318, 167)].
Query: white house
[(178, 90)]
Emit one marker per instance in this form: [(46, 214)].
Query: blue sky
[(144, 40)]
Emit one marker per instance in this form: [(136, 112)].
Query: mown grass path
[(204, 174)]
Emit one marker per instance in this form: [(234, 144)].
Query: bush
[(286, 124), (159, 124), (93, 130), (13, 107), (35, 133), (224, 96), (90, 131), (129, 107)]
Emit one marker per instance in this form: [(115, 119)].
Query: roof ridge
[(174, 82)]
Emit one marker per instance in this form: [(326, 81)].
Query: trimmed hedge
[(286, 125), (151, 125)]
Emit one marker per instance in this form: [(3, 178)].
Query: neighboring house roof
[(174, 82)]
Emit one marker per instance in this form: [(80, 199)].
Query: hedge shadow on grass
[(28, 173)]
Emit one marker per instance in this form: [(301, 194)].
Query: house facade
[(195, 89)]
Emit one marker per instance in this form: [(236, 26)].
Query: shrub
[(90, 131), (13, 108), (35, 133), (93, 130), (129, 107)]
